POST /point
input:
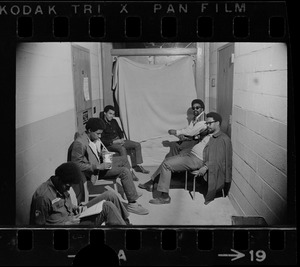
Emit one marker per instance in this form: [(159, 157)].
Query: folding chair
[(205, 177), (194, 182)]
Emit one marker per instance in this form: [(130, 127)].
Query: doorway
[(225, 86), (82, 85)]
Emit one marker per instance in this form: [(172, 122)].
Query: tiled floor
[(182, 210)]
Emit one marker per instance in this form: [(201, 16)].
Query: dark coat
[(217, 156), (112, 131)]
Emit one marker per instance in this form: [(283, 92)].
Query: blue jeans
[(182, 162)]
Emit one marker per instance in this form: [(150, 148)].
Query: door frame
[(74, 45), (218, 65)]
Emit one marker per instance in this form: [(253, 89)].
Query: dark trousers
[(131, 148)]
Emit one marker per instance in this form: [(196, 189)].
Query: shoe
[(160, 200), (141, 169), (148, 186), (134, 178), (137, 209), (127, 221)]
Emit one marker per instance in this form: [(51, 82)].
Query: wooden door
[(82, 85), (225, 86)]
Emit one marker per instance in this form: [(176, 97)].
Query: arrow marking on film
[(235, 256)]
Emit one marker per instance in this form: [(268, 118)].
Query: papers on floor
[(95, 209)]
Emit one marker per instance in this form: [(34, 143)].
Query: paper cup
[(107, 158)]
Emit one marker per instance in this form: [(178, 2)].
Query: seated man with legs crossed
[(113, 139), (203, 156), (188, 134), (51, 203), (83, 152)]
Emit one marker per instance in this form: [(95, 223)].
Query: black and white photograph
[(151, 134)]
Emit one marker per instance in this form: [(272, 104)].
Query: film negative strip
[(135, 21), (150, 24), (189, 246)]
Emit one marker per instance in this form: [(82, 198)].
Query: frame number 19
[(258, 256)]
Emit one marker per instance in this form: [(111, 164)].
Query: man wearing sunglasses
[(51, 203), (187, 136), (213, 154)]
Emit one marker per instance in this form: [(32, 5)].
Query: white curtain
[(154, 98)]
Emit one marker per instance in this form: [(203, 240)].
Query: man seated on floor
[(51, 203), (212, 154), (113, 139), (83, 152), (187, 136)]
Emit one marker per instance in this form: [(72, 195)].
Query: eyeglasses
[(209, 122), (197, 107)]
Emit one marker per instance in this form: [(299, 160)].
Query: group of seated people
[(202, 146)]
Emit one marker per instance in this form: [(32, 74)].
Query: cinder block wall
[(259, 131), (45, 114)]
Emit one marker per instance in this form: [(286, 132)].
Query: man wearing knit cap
[(51, 203), (189, 136)]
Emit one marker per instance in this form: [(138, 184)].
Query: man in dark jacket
[(113, 139), (217, 158), (213, 155), (51, 203)]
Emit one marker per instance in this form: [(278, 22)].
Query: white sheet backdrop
[(153, 99)]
